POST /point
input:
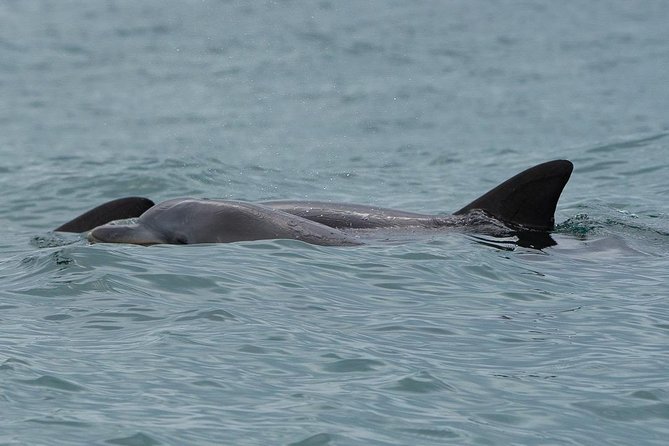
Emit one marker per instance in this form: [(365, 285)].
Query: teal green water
[(436, 339)]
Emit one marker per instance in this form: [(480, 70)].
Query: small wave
[(579, 225), (629, 223), (628, 144)]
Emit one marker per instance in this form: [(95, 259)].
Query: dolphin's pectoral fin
[(529, 199), (129, 207)]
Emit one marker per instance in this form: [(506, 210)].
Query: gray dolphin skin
[(185, 221), (525, 204)]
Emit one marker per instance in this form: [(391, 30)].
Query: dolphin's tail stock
[(528, 200), (129, 207)]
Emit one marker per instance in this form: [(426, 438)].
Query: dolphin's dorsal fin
[(529, 199), (129, 207)]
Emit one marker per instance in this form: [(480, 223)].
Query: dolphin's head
[(168, 222), (136, 234)]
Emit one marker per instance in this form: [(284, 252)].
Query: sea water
[(438, 338)]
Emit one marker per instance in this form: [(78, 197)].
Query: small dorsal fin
[(129, 207), (529, 199)]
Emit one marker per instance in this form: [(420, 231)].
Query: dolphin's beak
[(134, 234)]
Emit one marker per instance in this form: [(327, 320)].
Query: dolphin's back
[(352, 216), (525, 201)]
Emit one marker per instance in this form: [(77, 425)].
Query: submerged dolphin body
[(525, 204)]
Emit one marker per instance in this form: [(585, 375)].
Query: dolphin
[(524, 205)]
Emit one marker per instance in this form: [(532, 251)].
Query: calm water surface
[(433, 339)]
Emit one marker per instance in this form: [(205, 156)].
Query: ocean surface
[(437, 338)]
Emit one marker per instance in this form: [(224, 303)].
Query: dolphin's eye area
[(181, 240)]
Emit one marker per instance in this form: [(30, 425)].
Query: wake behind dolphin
[(524, 204)]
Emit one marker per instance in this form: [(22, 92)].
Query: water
[(440, 339)]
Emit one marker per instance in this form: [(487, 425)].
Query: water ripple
[(54, 383)]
